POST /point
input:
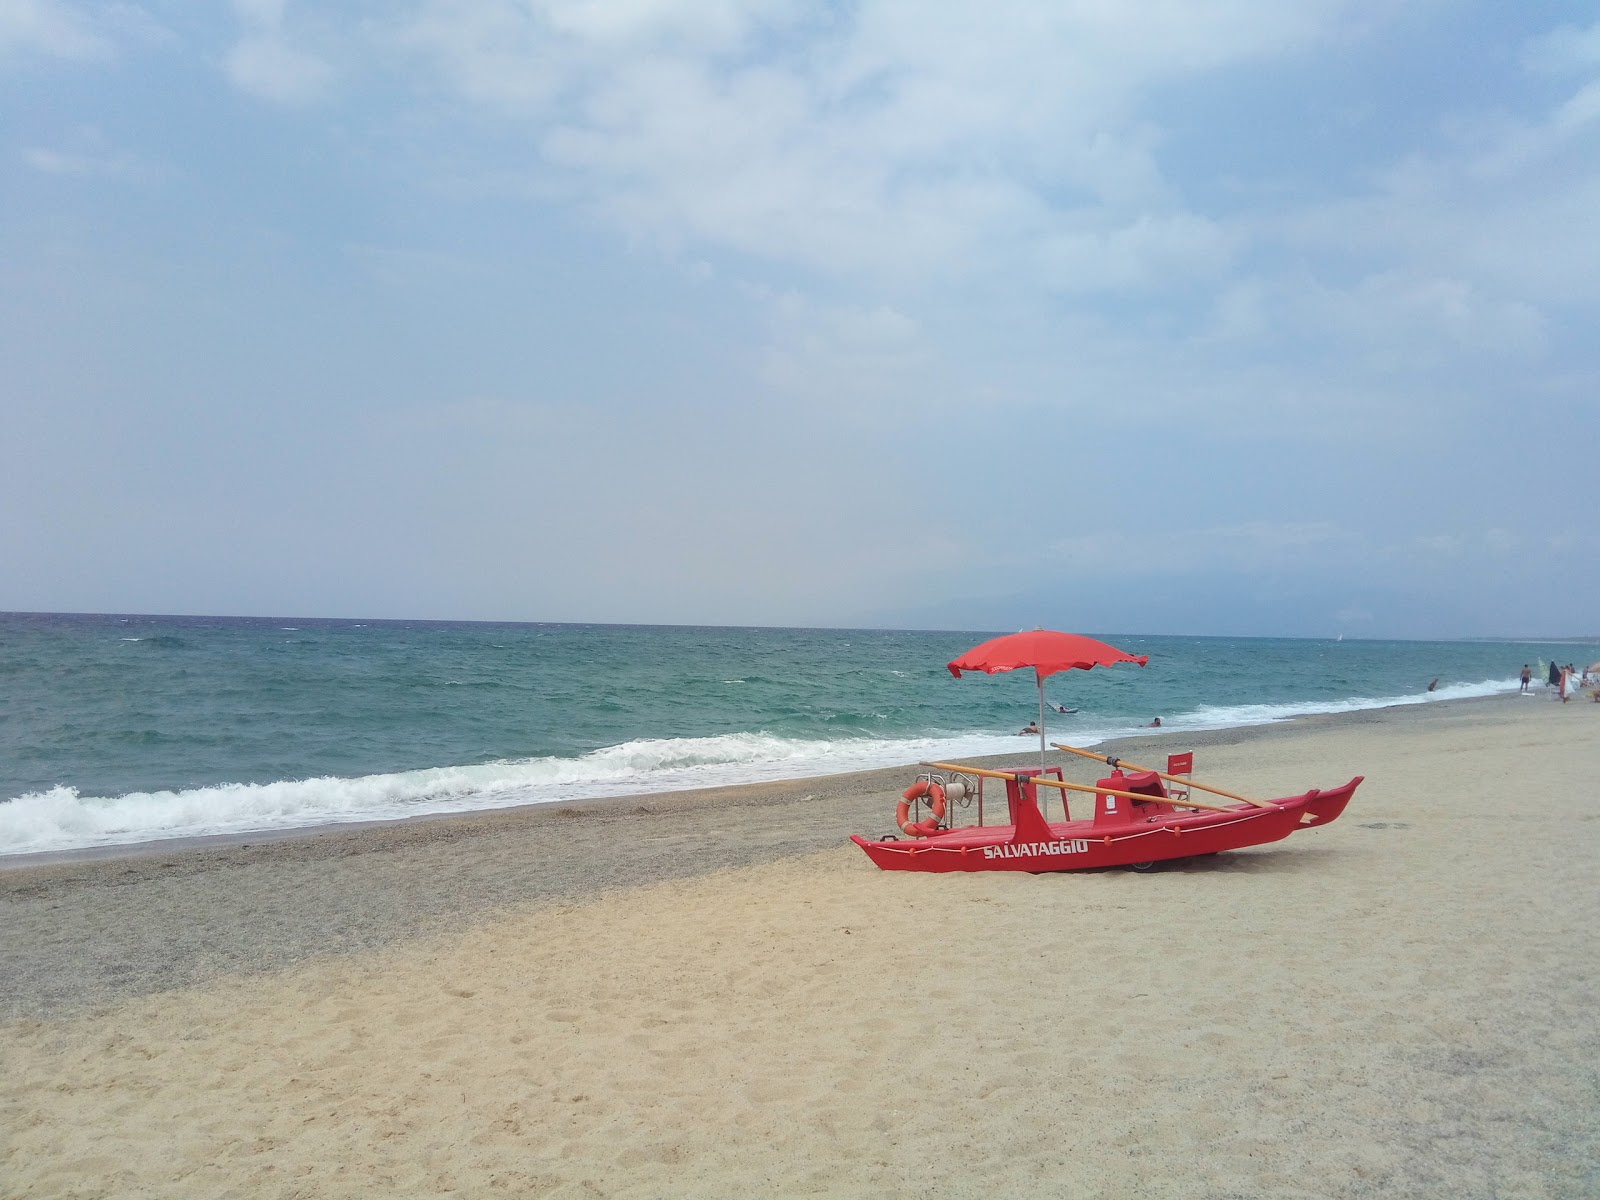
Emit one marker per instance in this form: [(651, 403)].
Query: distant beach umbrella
[(1047, 652)]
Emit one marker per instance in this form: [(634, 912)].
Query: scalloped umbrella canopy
[(1045, 650)]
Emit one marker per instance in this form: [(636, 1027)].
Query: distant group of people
[(1565, 679)]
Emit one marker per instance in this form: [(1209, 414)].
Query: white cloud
[(50, 28), (1476, 243), (1241, 313), (705, 25), (265, 64), (885, 139), (1501, 541), (266, 14), (1414, 318), (492, 51), (85, 32), (270, 69), (1501, 150), (84, 152), (934, 154), (1442, 545), (74, 162), (844, 359), (1564, 50), (1249, 547), (1578, 113), (1148, 251)]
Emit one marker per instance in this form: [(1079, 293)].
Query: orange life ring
[(928, 826)]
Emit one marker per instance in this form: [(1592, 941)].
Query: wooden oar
[(1075, 787), (1169, 778)]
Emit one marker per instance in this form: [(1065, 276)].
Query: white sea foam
[(1233, 716), (61, 819)]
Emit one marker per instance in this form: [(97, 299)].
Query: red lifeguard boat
[(1136, 823)]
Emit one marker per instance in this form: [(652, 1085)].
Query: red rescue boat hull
[(1086, 845)]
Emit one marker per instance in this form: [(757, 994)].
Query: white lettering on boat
[(1030, 849)]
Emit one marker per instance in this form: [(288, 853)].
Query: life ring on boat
[(934, 792)]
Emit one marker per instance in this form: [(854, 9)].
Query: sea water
[(124, 729)]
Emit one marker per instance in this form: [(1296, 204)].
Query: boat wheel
[(1144, 867)]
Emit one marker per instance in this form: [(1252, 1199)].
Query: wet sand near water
[(713, 994)]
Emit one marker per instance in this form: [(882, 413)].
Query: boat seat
[(1146, 783), (1119, 810)]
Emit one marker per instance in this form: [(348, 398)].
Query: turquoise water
[(126, 729)]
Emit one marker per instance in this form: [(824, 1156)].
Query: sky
[(1220, 317)]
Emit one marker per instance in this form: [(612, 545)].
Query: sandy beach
[(715, 994)]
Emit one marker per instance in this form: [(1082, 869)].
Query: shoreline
[(337, 889), (686, 797)]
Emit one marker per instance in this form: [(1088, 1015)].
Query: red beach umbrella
[(1047, 652)]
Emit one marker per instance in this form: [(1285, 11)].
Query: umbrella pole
[(1041, 724)]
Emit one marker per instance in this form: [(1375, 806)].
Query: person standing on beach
[(1554, 679), (1527, 676)]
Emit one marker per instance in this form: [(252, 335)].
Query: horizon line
[(1562, 639)]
